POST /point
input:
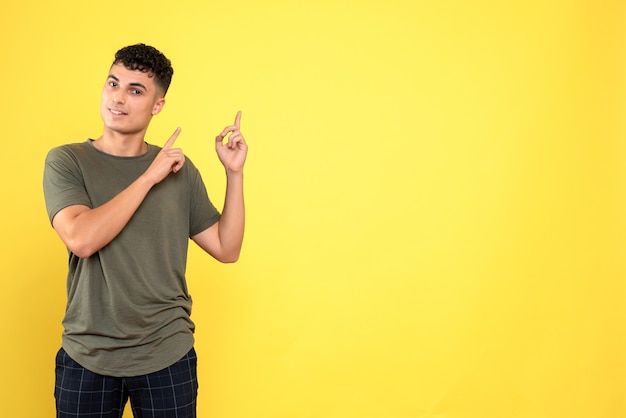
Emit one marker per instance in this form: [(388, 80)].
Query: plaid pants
[(169, 393)]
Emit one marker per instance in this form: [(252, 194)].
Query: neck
[(120, 144)]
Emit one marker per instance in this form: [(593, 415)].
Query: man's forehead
[(126, 75)]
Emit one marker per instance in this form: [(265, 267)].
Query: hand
[(168, 160), (233, 153)]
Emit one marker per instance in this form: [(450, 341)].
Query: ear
[(158, 106)]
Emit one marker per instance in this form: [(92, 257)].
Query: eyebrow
[(131, 84)]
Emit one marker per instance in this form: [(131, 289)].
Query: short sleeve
[(63, 182), (203, 212)]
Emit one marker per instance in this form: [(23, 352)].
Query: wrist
[(234, 174), (146, 180)]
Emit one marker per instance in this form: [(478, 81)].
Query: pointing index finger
[(172, 139), (238, 119)]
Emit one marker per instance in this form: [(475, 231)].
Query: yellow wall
[(436, 197)]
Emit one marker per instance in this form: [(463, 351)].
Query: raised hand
[(168, 160), (232, 153)]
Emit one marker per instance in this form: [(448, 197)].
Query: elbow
[(229, 258), (81, 249), (84, 254)]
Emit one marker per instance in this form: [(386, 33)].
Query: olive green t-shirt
[(128, 307)]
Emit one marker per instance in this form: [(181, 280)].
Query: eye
[(112, 84), (135, 91)]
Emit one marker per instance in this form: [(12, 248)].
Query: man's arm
[(223, 240), (85, 231)]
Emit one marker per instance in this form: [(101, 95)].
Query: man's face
[(129, 100)]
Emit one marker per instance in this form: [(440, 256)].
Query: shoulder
[(68, 151)]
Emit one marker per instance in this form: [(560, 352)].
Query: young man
[(126, 209)]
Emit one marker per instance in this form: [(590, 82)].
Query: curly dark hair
[(147, 59)]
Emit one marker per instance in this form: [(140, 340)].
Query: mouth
[(117, 112)]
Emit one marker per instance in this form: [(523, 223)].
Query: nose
[(118, 97)]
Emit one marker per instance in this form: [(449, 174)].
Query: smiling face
[(129, 100)]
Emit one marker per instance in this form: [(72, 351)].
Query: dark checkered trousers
[(169, 393)]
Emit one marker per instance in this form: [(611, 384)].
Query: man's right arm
[(85, 230)]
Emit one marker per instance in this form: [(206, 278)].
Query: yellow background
[(436, 196)]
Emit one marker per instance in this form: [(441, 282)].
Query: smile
[(117, 112)]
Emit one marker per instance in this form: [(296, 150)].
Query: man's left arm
[(223, 240)]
